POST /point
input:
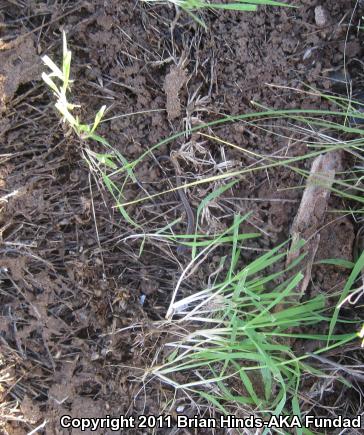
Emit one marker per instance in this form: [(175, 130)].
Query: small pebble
[(321, 16), (95, 356)]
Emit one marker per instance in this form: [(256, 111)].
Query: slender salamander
[(182, 195)]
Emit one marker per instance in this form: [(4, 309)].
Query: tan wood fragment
[(312, 210)]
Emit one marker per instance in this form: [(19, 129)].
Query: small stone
[(95, 356), (321, 16)]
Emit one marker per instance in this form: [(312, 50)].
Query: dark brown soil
[(70, 282)]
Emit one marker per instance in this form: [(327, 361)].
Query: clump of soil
[(72, 280), (175, 80), (19, 65)]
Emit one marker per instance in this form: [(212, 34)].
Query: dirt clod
[(174, 81), (322, 17), (19, 64)]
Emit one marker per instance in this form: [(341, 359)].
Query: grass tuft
[(101, 164), (237, 345)]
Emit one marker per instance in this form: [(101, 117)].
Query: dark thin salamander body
[(182, 195)]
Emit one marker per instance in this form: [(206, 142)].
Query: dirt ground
[(70, 282)]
